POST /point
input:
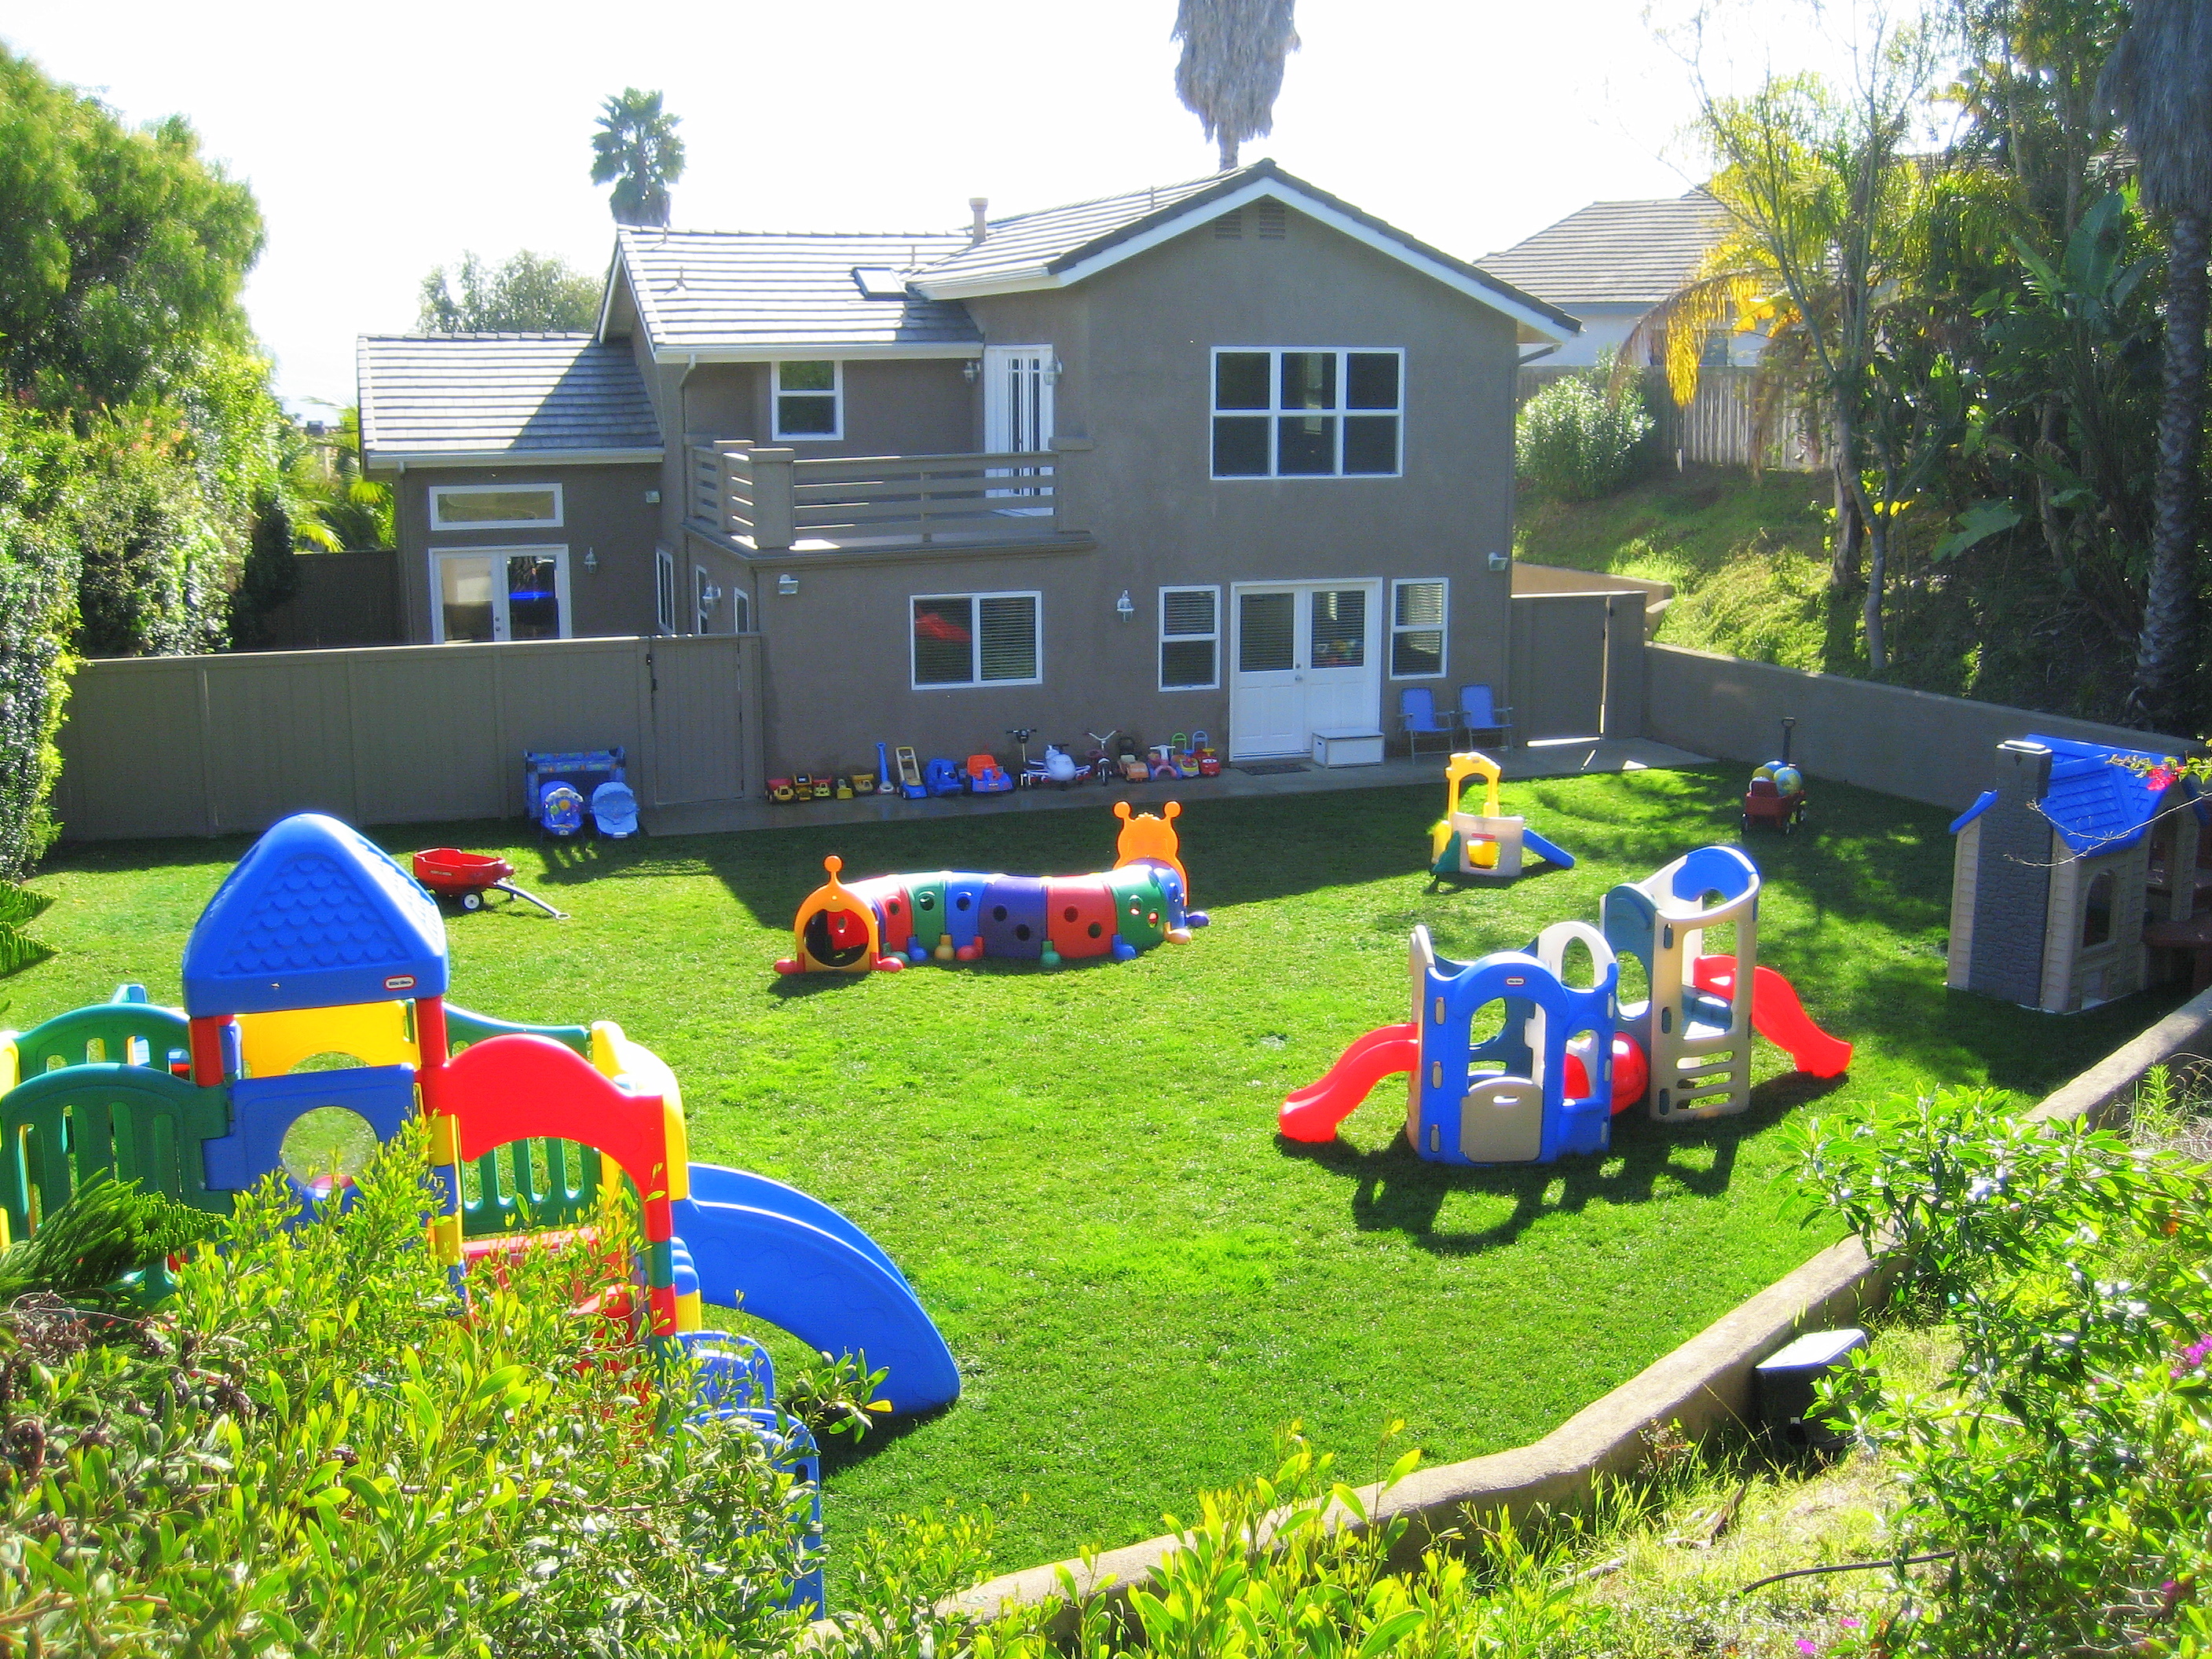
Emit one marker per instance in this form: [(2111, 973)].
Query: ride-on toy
[(466, 877)]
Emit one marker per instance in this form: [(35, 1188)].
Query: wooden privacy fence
[(399, 735), (1718, 429)]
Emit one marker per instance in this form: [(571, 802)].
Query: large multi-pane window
[(808, 401), (1190, 638), (977, 639), (1308, 414), (1417, 613)]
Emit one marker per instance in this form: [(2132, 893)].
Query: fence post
[(775, 511)]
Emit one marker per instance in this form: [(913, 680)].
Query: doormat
[(1270, 769)]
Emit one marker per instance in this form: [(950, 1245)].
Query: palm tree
[(637, 149), (1232, 66), (2158, 82)]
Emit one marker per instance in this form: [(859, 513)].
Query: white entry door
[(1307, 659), (482, 594), (1017, 406)]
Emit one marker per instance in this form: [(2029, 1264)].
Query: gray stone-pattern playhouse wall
[(2012, 879)]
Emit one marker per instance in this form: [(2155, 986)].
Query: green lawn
[(1079, 1169)]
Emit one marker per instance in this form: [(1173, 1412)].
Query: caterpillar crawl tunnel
[(958, 915)]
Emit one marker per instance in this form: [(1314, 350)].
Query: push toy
[(887, 921), (1563, 1060), (909, 774), (1484, 843), (465, 878)]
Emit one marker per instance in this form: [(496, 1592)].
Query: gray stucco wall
[(1135, 345), (604, 512)]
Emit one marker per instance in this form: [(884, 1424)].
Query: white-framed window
[(741, 611), (704, 594), (1420, 612), (977, 639), (664, 589), (495, 507), (809, 400), (1316, 412), (1190, 638)]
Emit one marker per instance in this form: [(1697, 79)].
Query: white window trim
[(837, 394), (701, 580), (557, 552), (976, 646), (1274, 412), (1443, 627), (1217, 638), (664, 589), (741, 604), (558, 521)]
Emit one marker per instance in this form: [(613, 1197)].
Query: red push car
[(467, 877)]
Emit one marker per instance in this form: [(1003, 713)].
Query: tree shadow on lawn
[(1395, 1190)]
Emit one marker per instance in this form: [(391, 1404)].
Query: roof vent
[(1272, 222), (1229, 227), (979, 206)]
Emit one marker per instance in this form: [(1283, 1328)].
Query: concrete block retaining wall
[(1913, 743), (1702, 1387)]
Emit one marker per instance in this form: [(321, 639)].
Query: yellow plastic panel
[(689, 1315), (11, 1073), (375, 1033)]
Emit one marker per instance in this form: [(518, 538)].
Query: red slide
[(1778, 1016), (1313, 1113)]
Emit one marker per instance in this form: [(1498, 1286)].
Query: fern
[(108, 1229)]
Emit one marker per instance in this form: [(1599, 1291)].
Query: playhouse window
[(2097, 911)]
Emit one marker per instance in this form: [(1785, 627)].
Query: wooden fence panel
[(1716, 429), (402, 734)]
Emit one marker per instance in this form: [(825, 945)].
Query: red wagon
[(466, 877)]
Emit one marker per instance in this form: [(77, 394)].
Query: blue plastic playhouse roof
[(315, 916), (2095, 805)]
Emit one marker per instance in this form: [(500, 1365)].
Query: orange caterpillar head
[(1144, 836)]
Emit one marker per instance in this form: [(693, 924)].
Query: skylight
[(879, 282)]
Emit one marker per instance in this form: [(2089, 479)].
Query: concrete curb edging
[(1702, 1386)]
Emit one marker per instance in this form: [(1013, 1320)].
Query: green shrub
[(2065, 1465), (312, 1450), (1580, 438), (38, 572)]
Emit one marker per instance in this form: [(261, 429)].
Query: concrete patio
[(1564, 759)]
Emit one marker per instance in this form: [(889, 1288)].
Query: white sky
[(383, 140)]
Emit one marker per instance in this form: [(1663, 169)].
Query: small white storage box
[(1348, 747)]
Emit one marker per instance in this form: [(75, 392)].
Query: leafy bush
[(37, 612), (310, 1448), (2065, 1467), (1580, 438)]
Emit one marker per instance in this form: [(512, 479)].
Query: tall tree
[(532, 292), (1232, 66), (2158, 82), (636, 150)]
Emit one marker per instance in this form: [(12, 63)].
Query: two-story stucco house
[(1228, 454)]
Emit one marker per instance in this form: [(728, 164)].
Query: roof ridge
[(584, 334), (792, 235)]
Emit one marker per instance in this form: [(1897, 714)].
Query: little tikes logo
[(400, 983)]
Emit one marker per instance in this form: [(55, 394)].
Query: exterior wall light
[(1123, 608), (971, 371), (1052, 372), (592, 560), (1501, 561), (787, 584)]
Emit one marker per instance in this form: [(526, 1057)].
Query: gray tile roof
[(1056, 240), (1053, 236), (476, 394), (697, 289), (1614, 252)]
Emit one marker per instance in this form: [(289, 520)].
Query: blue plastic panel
[(315, 916)]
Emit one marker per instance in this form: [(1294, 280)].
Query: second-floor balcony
[(768, 499)]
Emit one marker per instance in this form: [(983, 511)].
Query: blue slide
[(795, 1262), (1545, 849)]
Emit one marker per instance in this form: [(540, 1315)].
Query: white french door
[(1306, 657), (1018, 384), (481, 594)]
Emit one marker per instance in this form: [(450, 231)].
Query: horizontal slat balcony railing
[(769, 499)]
